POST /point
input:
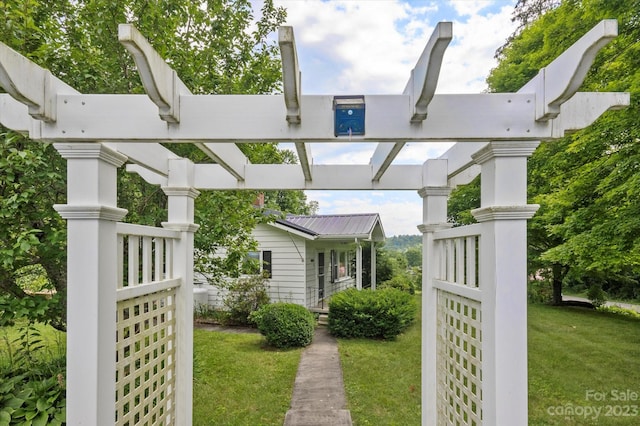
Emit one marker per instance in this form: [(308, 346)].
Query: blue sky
[(370, 47)]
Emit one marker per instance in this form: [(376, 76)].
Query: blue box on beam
[(349, 115)]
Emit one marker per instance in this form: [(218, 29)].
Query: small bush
[(618, 310), (246, 294), (402, 282), (539, 291), (285, 325), (382, 314), (596, 295)]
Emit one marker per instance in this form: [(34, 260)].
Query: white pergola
[(130, 302)]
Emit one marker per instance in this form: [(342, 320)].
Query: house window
[(258, 262), (342, 265)]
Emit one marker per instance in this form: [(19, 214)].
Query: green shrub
[(32, 385), (285, 325), (402, 282), (246, 294), (596, 295), (384, 313), (539, 291), (618, 310)]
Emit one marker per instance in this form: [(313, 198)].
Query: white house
[(309, 258)]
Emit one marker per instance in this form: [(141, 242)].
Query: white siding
[(288, 251)]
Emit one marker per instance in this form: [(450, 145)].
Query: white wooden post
[(181, 196), (91, 213), (434, 217), (503, 279), (373, 266), (358, 265)]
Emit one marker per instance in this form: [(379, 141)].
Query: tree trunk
[(556, 282)]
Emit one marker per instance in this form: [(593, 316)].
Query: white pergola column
[(434, 218), (181, 196), (374, 271), (503, 279), (91, 213), (359, 265)]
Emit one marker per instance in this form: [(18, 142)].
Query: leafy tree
[(587, 184), (215, 46), (413, 256), (461, 201)]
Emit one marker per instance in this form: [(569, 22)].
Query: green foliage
[(402, 242), (245, 295), (38, 308), (587, 183), (462, 200), (618, 310), (215, 47), (382, 313), (403, 282), (285, 325), (413, 255), (32, 387), (596, 295), (539, 291)]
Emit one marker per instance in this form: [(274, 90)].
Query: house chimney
[(259, 202)]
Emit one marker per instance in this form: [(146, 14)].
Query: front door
[(320, 275)]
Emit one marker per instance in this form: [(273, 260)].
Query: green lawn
[(578, 359), (240, 382), (382, 378), (53, 342), (578, 355)]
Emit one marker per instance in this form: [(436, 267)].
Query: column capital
[(181, 191), (505, 149), (433, 227), (485, 214), (181, 227), (87, 150), (442, 191), (67, 211)]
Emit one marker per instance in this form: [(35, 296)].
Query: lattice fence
[(145, 334), (459, 316)]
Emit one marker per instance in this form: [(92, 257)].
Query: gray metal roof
[(339, 226)]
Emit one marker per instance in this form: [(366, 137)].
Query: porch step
[(323, 319), (318, 417)]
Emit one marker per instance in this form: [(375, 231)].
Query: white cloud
[(370, 47), (470, 56), (469, 7)]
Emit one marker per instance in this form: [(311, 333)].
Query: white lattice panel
[(145, 357), (459, 360)]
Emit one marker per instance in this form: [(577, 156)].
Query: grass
[(575, 356), (382, 378), (240, 382), (574, 352), (53, 341)]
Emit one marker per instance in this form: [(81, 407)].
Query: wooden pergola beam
[(560, 80)]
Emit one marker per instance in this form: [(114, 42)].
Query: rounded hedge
[(285, 325), (378, 314)]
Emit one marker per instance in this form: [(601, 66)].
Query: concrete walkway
[(607, 303), (318, 393)]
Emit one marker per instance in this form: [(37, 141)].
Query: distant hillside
[(402, 242)]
